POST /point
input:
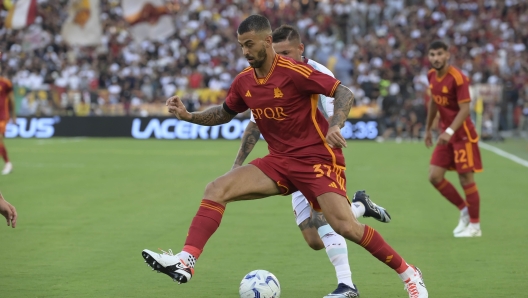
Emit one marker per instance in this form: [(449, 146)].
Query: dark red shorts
[(312, 176), (464, 157)]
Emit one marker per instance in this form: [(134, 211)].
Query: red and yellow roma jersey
[(447, 92), (5, 89), (284, 105)]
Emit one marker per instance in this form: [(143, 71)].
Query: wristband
[(449, 131)]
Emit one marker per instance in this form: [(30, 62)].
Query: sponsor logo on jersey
[(275, 113), (248, 94)]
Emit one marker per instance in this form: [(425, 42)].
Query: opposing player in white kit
[(316, 231)]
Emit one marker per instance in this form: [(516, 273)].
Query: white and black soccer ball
[(259, 284)]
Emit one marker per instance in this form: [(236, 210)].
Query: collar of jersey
[(269, 74)]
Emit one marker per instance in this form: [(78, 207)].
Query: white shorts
[(301, 208)]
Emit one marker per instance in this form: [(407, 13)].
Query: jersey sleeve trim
[(262, 82), (228, 110), (464, 100), (8, 82), (337, 83)]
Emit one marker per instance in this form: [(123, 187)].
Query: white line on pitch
[(504, 154)]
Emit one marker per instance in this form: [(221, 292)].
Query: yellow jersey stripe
[(315, 101), (294, 69), (296, 65), (304, 70), (457, 75), (469, 134)]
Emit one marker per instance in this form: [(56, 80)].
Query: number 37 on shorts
[(334, 173)]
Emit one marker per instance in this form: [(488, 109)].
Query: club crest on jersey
[(275, 113), (444, 90), (277, 93)]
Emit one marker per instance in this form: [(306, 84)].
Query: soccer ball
[(259, 284)]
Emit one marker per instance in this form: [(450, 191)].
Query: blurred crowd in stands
[(375, 47)]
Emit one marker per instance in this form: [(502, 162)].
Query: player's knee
[(435, 178), (465, 179), (215, 192), (349, 231)]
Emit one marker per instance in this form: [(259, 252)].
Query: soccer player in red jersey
[(315, 229), (457, 146), (304, 154), (7, 111)]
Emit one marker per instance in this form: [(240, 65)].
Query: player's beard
[(440, 67), (260, 59)]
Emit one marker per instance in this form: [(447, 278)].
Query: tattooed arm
[(249, 139), (212, 116), (343, 99)]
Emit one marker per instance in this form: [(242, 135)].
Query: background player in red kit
[(304, 153), (457, 147), (7, 111)]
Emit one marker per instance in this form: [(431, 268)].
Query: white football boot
[(463, 223), (415, 285), (7, 168), (469, 231), (170, 264)]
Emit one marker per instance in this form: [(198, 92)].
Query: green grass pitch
[(87, 207)]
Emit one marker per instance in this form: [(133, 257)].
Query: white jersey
[(326, 104)]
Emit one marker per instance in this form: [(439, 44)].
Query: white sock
[(189, 259), (475, 225), (337, 252), (407, 274), (464, 212), (358, 209)]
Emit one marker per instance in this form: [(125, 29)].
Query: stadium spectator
[(375, 45)]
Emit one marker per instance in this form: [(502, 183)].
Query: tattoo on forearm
[(318, 219), (249, 139), (212, 116), (343, 99)]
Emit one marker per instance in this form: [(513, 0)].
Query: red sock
[(3, 152), (203, 226), (473, 200), (374, 243), (449, 192)]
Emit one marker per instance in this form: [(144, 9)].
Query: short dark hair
[(438, 44), (286, 32), (255, 23)]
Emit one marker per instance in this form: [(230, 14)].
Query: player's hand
[(428, 139), (334, 137), (177, 108), (444, 138), (9, 212)]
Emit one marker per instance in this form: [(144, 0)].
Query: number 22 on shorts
[(460, 156)]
